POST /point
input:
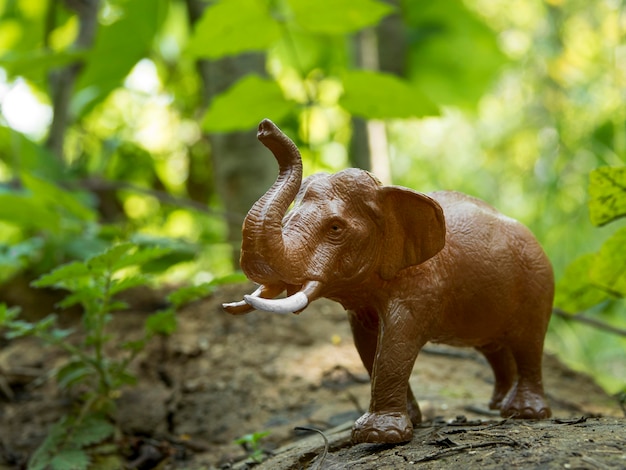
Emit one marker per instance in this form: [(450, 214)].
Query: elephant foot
[(383, 428), (525, 404), (496, 400)]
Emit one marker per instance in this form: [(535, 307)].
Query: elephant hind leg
[(413, 408), (502, 362), (526, 400)]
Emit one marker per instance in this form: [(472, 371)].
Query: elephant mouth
[(264, 299)]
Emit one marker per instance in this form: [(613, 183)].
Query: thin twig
[(579, 317), (322, 457)]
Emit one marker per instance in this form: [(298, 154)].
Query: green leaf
[(120, 285), (187, 294), (118, 47), (134, 346), (230, 27), (35, 64), (575, 291), (70, 459), (21, 209), (18, 255), (142, 255), (609, 268), (245, 104), (8, 314), (26, 156), (73, 373), (40, 459), (454, 56), (63, 275), (92, 430), (60, 199), (163, 322), (234, 278), (338, 16), (607, 191), (377, 95), (104, 262), (84, 295), (19, 328), (252, 439)]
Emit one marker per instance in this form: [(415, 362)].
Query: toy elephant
[(409, 268)]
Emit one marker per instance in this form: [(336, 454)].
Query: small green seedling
[(252, 445)]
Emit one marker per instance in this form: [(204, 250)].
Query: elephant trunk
[(264, 258)]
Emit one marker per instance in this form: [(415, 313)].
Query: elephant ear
[(414, 226)]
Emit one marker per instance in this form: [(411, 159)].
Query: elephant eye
[(336, 228)]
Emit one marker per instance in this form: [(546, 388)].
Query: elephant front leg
[(388, 419), (365, 326)]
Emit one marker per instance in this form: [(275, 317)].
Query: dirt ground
[(220, 377)]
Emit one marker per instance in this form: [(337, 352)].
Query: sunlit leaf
[(118, 47), (575, 291), (141, 256), (104, 262), (52, 194), (26, 212), (120, 285), (24, 155), (607, 191), (230, 27), (609, 268), (307, 52), (84, 295), (376, 95), (338, 16), (245, 104), (454, 56), (62, 275), (35, 64)]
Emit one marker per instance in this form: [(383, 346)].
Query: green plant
[(75, 444), (595, 283), (98, 368), (252, 445)]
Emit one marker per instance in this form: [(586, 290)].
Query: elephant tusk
[(237, 308), (241, 307), (294, 303), (291, 304)]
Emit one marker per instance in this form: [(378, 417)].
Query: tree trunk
[(384, 49), (62, 81), (243, 169)]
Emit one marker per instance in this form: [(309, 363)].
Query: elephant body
[(409, 268)]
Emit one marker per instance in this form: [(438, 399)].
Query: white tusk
[(291, 304)]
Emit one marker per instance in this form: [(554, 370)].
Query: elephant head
[(344, 232)]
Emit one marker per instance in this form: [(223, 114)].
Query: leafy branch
[(581, 318)]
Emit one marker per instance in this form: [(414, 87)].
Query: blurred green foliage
[(514, 101)]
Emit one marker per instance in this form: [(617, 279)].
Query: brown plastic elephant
[(409, 268)]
